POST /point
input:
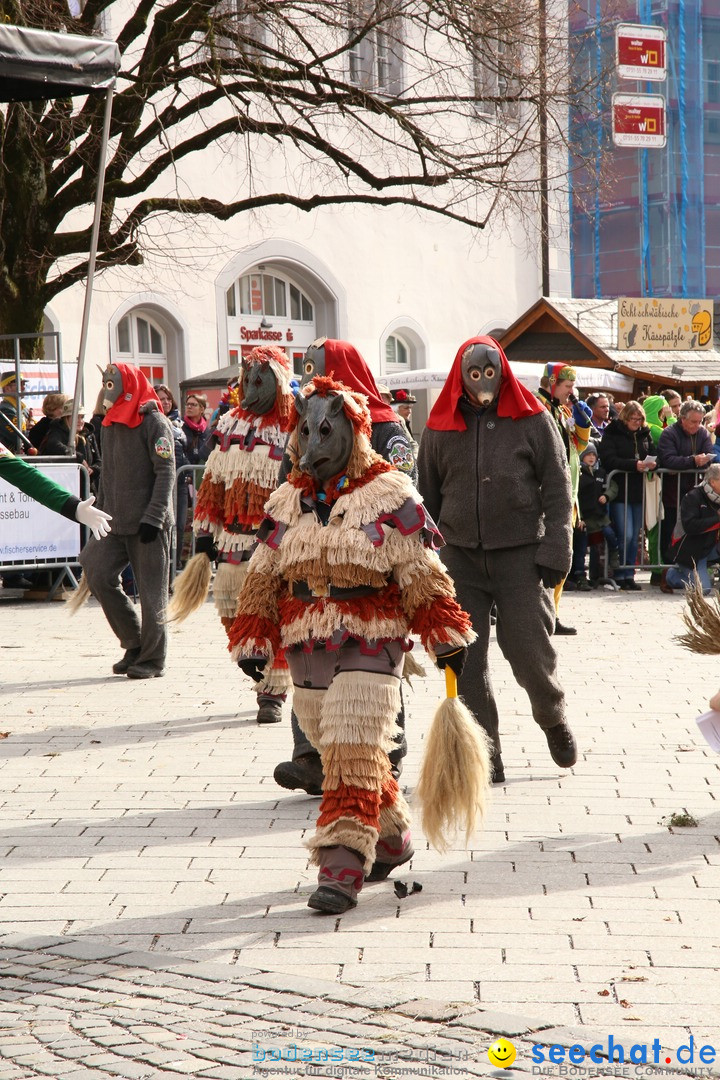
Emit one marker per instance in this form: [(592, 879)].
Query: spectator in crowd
[(402, 403), (170, 410), (627, 446), (494, 476), (674, 401), (385, 393), (600, 414), (685, 445), (595, 494), (51, 408), (572, 418), (12, 408), (195, 427), (136, 487), (658, 415), (695, 537)]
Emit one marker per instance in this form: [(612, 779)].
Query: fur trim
[(395, 819), (361, 707), (442, 622), (276, 681), (350, 834), (308, 709), (359, 765), (229, 580), (345, 801)]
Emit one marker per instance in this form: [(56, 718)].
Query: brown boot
[(340, 879)]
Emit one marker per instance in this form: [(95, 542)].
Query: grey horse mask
[(112, 386), (314, 362), (481, 373), (259, 387), (325, 436)]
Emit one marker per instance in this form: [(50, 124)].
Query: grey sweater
[(502, 483), (138, 473)]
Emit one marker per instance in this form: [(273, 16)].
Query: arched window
[(268, 295), (397, 354), (140, 341)]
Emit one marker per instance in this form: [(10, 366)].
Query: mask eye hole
[(475, 374), (325, 428), (304, 431), (489, 372), (309, 367), (109, 385)]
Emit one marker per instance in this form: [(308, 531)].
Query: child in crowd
[(594, 497)]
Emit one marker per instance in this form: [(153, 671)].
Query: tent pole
[(91, 271)]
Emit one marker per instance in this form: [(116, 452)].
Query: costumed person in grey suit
[(137, 486), (494, 477)]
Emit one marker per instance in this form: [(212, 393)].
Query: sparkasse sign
[(640, 51), (638, 120)]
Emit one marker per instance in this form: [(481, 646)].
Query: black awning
[(39, 64)]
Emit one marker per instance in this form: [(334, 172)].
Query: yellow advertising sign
[(651, 325)]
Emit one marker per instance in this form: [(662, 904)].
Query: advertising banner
[(647, 324), (29, 532), (638, 120), (640, 52)]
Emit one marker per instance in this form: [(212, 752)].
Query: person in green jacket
[(44, 490), (659, 415)]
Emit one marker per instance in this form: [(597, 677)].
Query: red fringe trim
[(354, 802), (385, 604), (431, 621), (390, 792), (247, 628), (210, 502)]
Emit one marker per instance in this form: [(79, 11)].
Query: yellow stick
[(450, 683)]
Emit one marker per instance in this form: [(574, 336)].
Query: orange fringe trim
[(431, 620), (350, 802)]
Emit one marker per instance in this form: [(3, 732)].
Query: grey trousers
[(103, 561), (508, 578)]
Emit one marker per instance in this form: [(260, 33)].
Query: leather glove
[(205, 545), (550, 577), (148, 532), (455, 660), (253, 668), (582, 413), (95, 519)]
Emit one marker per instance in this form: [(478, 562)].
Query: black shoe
[(570, 585), (498, 772), (563, 750), (16, 581), (330, 902), (122, 666), (582, 585), (656, 577), (632, 585), (305, 772), (269, 712), (145, 671), (563, 630)]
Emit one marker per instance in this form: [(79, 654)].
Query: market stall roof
[(40, 64), (219, 377), (575, 330), (528, 374)]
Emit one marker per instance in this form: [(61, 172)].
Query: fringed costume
[(241, 472), (341, 577)]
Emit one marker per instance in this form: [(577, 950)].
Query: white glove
[(95, 519)]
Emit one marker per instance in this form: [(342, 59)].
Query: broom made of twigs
[(702, 619), (191, 588), (455, 773)]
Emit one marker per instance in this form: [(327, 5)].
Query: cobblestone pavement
[(153, 882)]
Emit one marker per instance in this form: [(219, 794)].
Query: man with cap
[(402, 403), (573, 421), (11, 407), (494, 477)]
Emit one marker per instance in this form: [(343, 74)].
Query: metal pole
[(91, 270), (544, 210)]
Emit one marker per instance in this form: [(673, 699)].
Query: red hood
[(345, 365), (136, 391), (513, 400)]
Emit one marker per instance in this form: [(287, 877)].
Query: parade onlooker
[(171, 411), (682, 446), (595, 494), (627, 447), (12, 410), (695, 537), (600, 409), (52, 407)]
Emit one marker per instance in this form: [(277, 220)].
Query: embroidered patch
[(163, 447), (399, 453)]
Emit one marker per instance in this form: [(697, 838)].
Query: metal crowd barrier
[(671, 486), (195, 474)]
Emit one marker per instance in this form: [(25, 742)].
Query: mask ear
[(335, 406), (301, 404)]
